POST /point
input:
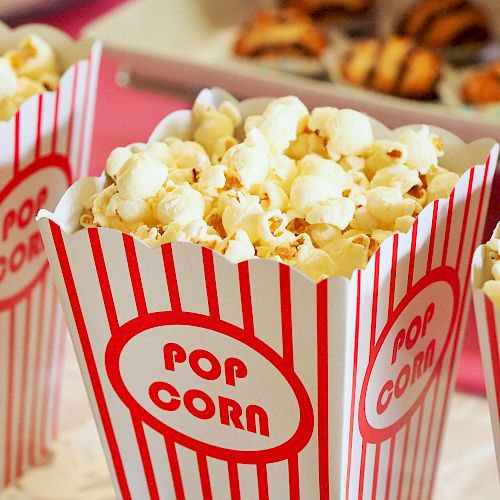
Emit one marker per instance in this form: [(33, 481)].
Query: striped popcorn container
[(43, 148), (214, 380), (488, 327)]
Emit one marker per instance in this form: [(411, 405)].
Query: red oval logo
[(22, 258), (408, 354), (210, 386)]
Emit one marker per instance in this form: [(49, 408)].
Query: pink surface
[(125, 115)]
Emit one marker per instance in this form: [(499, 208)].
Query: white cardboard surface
[(488, 327), (333, 390), (42, 150)]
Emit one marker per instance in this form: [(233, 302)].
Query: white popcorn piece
[(272, 196), (400, 177), (338, 212), (248, 162), (310, 190), (196, 230), (8, 79), (363, 220), (161, 152), (347, 255), (306, 143), (272, 228), (237, 248), (424, 148), (492, 289), (8, 108), (332, 172), (283, 170), (116, 160), (349, 132), (180, 205), (213, 177), (33, 59), (315, 263), (242, 212), (214, 124), (141, 177), (441, 185), (280, 122), (403, 224), (322, 234), (495, 270), (352, 163), (187, 154), (26, 87), (384, 153), (387, 204), (130, 211), (221, 146)]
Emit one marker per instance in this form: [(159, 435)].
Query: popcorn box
[(210, 379), (488, 327), (43, 148)]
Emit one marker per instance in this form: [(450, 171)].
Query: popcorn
[(314, 191), (441, 185), (215, 124), (237, 248), (280, 123), (310, 190), (386, 204), (337, 212), (182, 205), (141, 177), (26, 71), (348, 132), (424, 148), (492, 287)]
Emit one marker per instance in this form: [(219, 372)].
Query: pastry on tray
[(482, 87), (446, 24), (394, 65), (320, 9), (283, 38)]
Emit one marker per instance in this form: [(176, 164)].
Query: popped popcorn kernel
[(492, 286), (314, 190)]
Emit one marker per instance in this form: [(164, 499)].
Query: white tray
[(186, 45)]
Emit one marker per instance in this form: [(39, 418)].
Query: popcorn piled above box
[(311, 189), (491, 287), (25, 71)]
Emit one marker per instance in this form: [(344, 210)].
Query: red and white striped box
[(488, 327), (214, 380), (43, 149)]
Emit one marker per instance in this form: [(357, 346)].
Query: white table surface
[(77, 469)]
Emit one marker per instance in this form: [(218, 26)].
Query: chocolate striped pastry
[(394, 65), (275, 33), (483, 86), (445, 23), (319, 9)]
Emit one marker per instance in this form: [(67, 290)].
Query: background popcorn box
[(209, 379), (42, 150), (488, 327)]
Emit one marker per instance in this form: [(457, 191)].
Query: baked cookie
[(394, 65), (445, 23), (483, 86), (319, 9), (276, 33)]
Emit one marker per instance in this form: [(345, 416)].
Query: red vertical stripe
[(403, 460), (354, 376), (246, 298), (234, 482), (376, 466), (59, 379), (449, 217), (21, 437), (174, 469), (206, 489), (17, 121), (10, 397), (210, 282), (72, 116), (493, 343), (322, 361), (394, 266), (262, 482), (135, 274), (90, 361), (415, 453), (287, 336), (433, 234), (413, 251), (39, 126), (55, 125), (389, 469), (84, 116), (171, 276)]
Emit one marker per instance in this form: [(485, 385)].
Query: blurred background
[(404, 61)]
